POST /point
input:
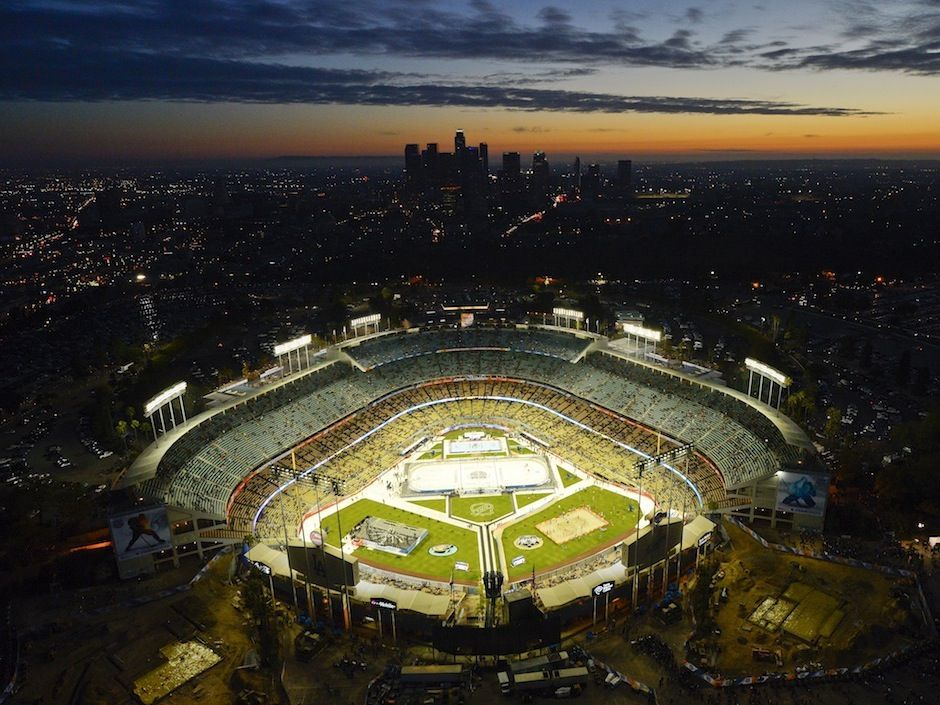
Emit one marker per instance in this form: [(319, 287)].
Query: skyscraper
[(576, 175), (541, 172), (512, 165), (625, 175), (413, 166), (485, 158)]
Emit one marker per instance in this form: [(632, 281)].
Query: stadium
[(400, 471)]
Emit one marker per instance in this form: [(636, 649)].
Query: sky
[(162, 80)]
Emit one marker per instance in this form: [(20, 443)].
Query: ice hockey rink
[(477, 475)]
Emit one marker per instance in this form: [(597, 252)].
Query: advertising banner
[(140, 532), (802, 493)]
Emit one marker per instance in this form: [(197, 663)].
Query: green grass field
[(481, 508), (438, 505), (516, 448), (619, 511), (567, 478), (457, 434), (420, 562), (436, 452), (524, 499)]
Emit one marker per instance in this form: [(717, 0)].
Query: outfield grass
[(462, 507), (524, 499), (619, 511), (438, 505), (420, 562), (457, 434), (568, 478), (435, 452), (517, 448)]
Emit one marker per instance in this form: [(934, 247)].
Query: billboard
[(466, 320), (140, 532), (802, 493)]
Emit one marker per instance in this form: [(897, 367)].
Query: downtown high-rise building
[(512, 165), (624, 180)]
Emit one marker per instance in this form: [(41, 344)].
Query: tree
[(864, 358), (121, 430), (903, 371), (833, 426)]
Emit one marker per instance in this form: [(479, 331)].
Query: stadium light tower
[(773, 377), (164, 400), (296, 345)]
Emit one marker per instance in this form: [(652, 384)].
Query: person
[(140, 526)]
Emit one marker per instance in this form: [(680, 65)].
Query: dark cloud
[(67, 75), (694, 15), (536, 129), (554, 16)]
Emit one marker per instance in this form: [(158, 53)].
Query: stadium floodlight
[(362, 321), (767, 371), (164, 398), (291, 345), (568, 313), (641, 332)]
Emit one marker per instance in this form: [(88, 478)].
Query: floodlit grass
[(524, 499), (619, 511), (519, 449), (436, 452), (420, 562), (568, 478), (438, 505), (481, 508), (457, 434)]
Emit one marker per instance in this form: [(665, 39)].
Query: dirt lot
[(878, 618), (80, 658)]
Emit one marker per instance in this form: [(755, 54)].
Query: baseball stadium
[(407, 468)]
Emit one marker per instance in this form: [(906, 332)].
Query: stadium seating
[(337, 404)]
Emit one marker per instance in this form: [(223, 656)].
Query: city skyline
[(118, 81)]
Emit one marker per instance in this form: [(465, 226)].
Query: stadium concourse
[(330, 437)]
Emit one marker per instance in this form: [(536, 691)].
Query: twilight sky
[(167, 79)]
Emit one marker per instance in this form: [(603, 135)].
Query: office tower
[(429, 162), (541, 173), (485, 158), (625, 175), (512, 165), (576, 176), (413, 166), (591, 182)]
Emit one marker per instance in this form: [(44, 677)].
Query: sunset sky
[(711, 79)]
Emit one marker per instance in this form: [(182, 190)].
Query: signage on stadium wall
[(802, 493), (140, 532), (383, 603), (604, 587)]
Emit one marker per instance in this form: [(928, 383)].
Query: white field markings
[(384, 490)]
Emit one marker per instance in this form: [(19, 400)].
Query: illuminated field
[(419, 562), (619, 511)]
